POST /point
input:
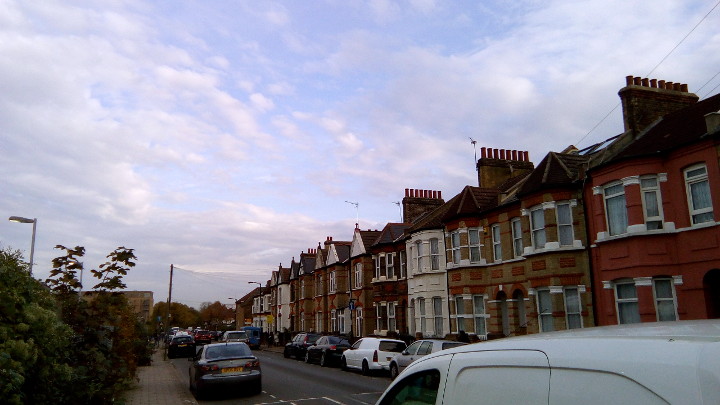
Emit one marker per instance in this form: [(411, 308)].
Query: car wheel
[(394, 371), (365, 368), (286, 354), (256, 387), (307, 357), (343, 364), (323, 360)]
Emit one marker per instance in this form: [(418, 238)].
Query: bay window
[(496, 242), (626, 302), (615, 209), (698, 193), (537, 227), (664, 294), (652, 206), (516, 227), (565, 224), (474, 244)]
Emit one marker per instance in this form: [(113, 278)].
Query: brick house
[(389, 281), (360, 288), (651, 197)]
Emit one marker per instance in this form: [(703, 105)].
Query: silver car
[(417, 350)]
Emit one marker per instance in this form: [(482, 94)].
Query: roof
[(391, 233), (555, 170), (471, 201)]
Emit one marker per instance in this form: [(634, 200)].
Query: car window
[(183, 339), (322, 341), (390, 346), (448, 345), (237, 335), (412, 349), (425, 348), (312, 338), (225, 351), (357, 344), (418, 388)]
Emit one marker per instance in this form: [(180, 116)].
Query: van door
[(498, 377)]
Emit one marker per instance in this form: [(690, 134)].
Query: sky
[(226, 137)]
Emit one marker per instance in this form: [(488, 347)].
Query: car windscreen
[(334, 340), (449, 345), (313, 338), (390, 346), (223, 351), (182, 339), (237, 335)]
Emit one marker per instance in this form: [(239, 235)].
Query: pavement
[(161, 383)]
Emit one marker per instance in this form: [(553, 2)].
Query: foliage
[(214, 315), (180, 314), (34, 367), (111, 272)]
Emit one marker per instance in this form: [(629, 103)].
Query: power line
[(653, 69)]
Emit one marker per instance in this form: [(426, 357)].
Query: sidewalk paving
[(161, 383)]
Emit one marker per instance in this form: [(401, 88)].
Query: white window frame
[(496, 242), (377, 266), (626, 301), (358, 275), (434, 254), (537, 229), (389, 265), (333, 320), (438, 329), (358, 321), (475, 247), (403, 264), (615, 191), (545, 315), (566, 233), (421, 315), (455, 246), (418, 256), (650, 188), (341, 320), (318, 285), (459, 313), (516, 226), (573, 313), (660, 300), (391, 320), (480, 317), (333, 282), (380, 317), (692, 180)]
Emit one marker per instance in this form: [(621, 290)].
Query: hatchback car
[(181, 346), (202, 336), (327, 350), (371, 354), (225, 366), (299, 344), (649, 363), (417, 350)]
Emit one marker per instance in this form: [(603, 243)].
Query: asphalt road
[(289, 381)]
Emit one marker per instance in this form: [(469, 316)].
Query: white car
[(371, 354), (649, 363), (419, 349), (235, 336)]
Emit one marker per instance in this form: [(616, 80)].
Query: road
[(289, 381)]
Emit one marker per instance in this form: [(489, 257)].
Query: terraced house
[(623, 231)]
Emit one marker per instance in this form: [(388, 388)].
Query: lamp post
[(33, 221)]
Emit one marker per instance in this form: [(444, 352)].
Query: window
[(615, 209), (333, 320), (382, 262), (377, 267), (664, 293), (358, 321), (455, 246), (437, 313), (419, 388), (434, 254), (358, 274), (651, 202), (474, 242), (403, 264), (333, 282), (418, 256), (341, 320), (318, 322), (381, 311), (520, 308), (302, 288), (318, 285), (389, 265), (421, 311), (497, 245), (460, 313), (516, 226), (627, 302), (479, 315), (565, 224), (537, 227), (573, 308), (545, 310), (698, 191), (392, 325)]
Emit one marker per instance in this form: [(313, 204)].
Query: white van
[(649, 363)]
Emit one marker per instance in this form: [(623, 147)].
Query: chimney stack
[(418, 202), (496, 166), (645, 100)]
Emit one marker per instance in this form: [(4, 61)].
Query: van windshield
[(236, 335)]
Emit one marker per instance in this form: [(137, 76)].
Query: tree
[(180, 314), (215, 314)]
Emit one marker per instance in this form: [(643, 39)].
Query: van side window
[(418, 388)]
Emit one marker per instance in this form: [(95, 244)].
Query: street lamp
[(33, 221)]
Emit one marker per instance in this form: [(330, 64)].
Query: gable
[(357, 247)]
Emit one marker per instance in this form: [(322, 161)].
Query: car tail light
[(212, 367), (333, 347), (253, 364), (375, 356)]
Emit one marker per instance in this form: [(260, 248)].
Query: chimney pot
[(483, 152), (407, 194), (514, 155), (628, 80), (526, 158), (653, 83), (684, 88), (677, 86), (646, 82), (502, 154), (669, 85), (439, 194), (637, 81)]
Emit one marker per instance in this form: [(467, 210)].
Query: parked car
[(253, 333), (417, 350), (371, 354), (299, 344), (326, 350), (649, 363), (235, 336), (225, 366), (202, 336), (181, 346), (216, 334)]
